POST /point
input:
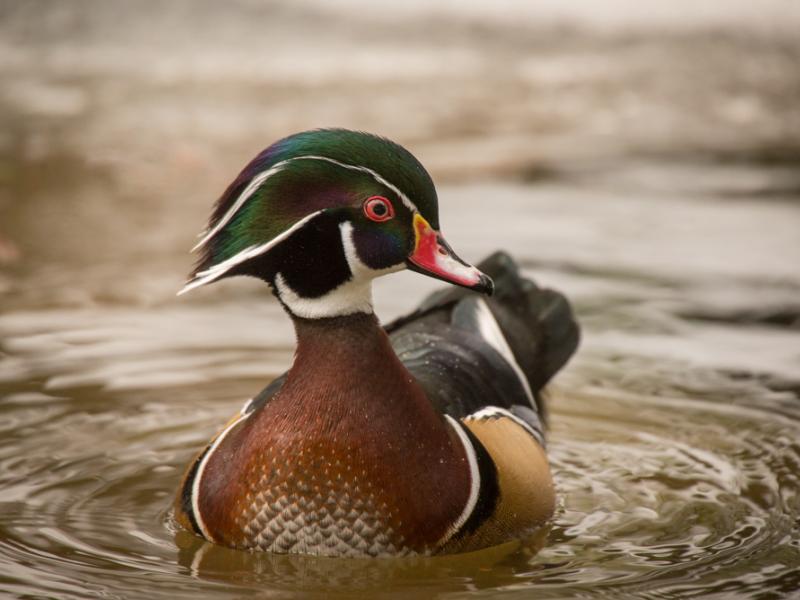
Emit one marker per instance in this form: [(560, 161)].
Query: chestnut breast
[(348, 459)]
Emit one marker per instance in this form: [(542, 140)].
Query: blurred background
[(643, 158), (122, 122)]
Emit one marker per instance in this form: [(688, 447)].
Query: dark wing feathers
[(447, 343), (457, 377)]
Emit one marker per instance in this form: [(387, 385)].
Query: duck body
[(422, 437)]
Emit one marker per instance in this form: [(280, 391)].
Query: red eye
[(378, 208)]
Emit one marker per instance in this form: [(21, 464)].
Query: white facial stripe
[(357, 267), (216, 271), (349, 247), (475, 481), (353, 296), (409, 205), (254, 184), (198, 476), (491, 332), (260, 178)]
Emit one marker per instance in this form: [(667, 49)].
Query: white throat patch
[(352, 296)]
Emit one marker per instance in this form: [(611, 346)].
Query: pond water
[(664, 202)]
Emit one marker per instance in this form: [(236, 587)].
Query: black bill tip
[(485, 285)]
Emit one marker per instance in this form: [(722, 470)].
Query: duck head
[(320, 214)]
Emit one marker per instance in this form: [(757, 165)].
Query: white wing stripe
[(491, 332), (475, 481)]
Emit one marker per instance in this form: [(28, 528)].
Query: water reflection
[(309, 575)]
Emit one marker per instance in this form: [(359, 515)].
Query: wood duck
[(421, 437)]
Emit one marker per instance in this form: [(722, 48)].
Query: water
[(675, 432)]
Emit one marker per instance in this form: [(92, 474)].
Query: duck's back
[(472, 353), (485, 362)]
